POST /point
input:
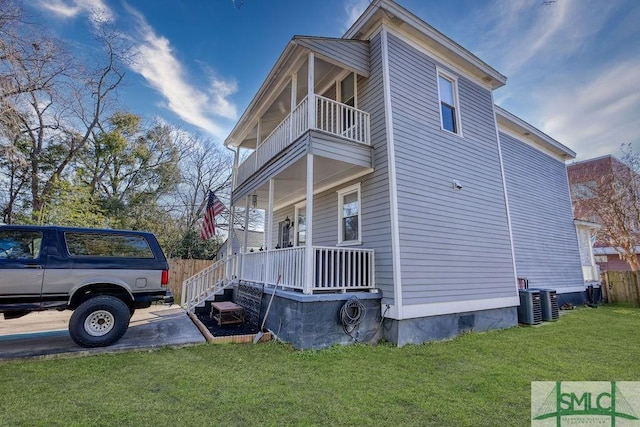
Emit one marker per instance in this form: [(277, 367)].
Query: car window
[(20, 244), (107, 245)]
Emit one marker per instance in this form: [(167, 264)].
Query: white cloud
[(566, 70), (221, 106), (96, 9), (353, 9), (519, 34), (157, 63), (595, 117)]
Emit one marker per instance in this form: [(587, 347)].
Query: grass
[(473, 380)]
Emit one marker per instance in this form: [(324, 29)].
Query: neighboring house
[(404, 185), (255, 243), (584, 178)]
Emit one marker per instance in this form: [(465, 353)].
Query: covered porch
[(304, 134), (332, 269)]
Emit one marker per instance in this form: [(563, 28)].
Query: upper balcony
[(308, 101), (331, 117)]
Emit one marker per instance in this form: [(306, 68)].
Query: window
[(301, 224), (107, 245), (19, 244), (349, 215), (448, 92)]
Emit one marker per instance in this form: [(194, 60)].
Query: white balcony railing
[(333, 268), (331, 116)]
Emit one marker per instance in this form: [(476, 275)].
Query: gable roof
[(394, 14), (326, 48)]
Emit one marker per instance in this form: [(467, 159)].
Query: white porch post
[(246, 233), (310, 91), (269, 231), (236, 160), (258, 126), (294, 96), (230, 236), (308, 244)]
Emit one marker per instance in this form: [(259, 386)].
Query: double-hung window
[(448, 92), (349, 206), (300, 224)]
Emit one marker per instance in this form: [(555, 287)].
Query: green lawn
[(476, 379)]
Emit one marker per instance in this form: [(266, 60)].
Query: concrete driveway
[(45, 333)]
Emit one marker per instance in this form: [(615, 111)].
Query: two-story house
[(388, 174)]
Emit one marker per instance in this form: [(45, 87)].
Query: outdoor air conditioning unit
[(530, 309), (549, 300)]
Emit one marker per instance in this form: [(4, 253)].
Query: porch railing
[(207, 282), (342, 120), (334, 269), (331, 116)]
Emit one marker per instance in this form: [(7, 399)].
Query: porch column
[(308, 244), (231, 234), (294, 96), (269, 231), (246, 232), (236, 160), (258, 126), (310, 91)]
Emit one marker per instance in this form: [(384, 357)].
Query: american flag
[(214, 207)]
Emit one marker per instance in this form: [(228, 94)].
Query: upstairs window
[(448, 92)]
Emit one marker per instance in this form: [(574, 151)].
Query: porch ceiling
[(275, 92), (325, 75), (290, 184)]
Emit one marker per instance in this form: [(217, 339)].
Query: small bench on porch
[(227, 313)]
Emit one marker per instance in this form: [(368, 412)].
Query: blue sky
[(573, 67)]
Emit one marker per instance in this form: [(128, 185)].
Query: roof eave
[(491, 76), (243, 122), (530, 132)]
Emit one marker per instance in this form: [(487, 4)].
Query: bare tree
[(204, 167), (610, 196), (50, 104)]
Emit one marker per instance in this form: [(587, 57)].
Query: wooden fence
[(619, 286), (181, 269)]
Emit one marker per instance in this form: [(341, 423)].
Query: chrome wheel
[(99, 323)]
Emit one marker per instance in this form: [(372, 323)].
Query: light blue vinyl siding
[(351, 53), (545, 241), (454, 244)]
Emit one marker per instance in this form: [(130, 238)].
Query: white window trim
[(297, 208), (454, 80), (355, 188)]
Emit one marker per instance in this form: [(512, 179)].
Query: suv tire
[(99, 321)]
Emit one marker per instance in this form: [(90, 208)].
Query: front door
[(21, 268)]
